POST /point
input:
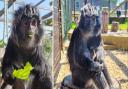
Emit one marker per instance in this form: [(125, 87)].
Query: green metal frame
[(66, 16)]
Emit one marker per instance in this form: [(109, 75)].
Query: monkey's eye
[(37, 18), (25, 21)]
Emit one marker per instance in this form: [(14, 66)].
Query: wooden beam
[(39, 2), (46, 16), (118, 6)]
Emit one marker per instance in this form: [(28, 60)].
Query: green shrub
[(2, 44), (47, 46)]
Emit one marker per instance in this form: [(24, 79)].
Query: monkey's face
[(28, 27), (29, 31), (89, 22)]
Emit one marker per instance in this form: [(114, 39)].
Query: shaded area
[(123, 67), (115, 69), (123, 81)]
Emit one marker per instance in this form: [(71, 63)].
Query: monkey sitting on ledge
[(86, 53)]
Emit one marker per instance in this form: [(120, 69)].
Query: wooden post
[(105, 19), (74, 9), (60, 24), (115, 26)]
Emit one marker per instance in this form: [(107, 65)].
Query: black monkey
[(86, 53), (24, 45)]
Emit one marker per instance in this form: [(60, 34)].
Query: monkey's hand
[(96, 67), (7, 76)]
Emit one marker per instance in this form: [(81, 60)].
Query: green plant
[(126, 21), (48, 22), (114, 1), (47, 47), (2, 44), (73, 25), (121, 26)]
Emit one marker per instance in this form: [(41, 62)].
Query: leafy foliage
[(47, 46), (23, 73), (2, 44)]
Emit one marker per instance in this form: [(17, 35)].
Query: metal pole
[(126, 14), (91, 1), (60, 24), (74, 10), (125, 9), (39, 2), (5, 19), (109, 7)]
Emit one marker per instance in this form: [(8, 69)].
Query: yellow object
[(23, 73)]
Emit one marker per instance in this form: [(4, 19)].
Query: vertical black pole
[(91, 1), (74, 10), (125, 9), (109, 6), (126, 13)]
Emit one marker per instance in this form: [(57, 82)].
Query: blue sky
[(45, 9)]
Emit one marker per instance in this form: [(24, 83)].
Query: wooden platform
[(67, 84), (112, 40), (115, 41)]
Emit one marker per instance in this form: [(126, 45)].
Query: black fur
[(24, 46), (85, 43)]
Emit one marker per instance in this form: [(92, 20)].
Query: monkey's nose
[(33, 22)]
